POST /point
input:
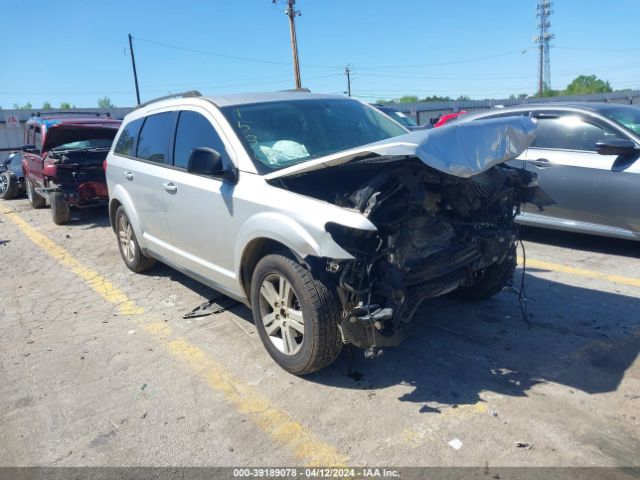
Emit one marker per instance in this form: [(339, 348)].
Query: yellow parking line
[(246, 400), (580, 272), (99, 284)]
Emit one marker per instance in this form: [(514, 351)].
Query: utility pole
[(544, 37), (347, 72), (135, 73), (292, 13)]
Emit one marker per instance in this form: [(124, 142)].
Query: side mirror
[(29, 148), (617, 146), (209, 162)]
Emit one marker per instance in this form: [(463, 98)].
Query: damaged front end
[(78, 174), (437, 233)]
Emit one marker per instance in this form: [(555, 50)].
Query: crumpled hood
[(459, 149)]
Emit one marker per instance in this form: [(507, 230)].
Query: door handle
[(128, 175), (170, 187), (541, 163)]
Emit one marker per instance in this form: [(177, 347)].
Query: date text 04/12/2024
[(285, 473)]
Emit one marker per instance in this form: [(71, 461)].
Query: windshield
[(281, 134), (629, 117), (85, 144)]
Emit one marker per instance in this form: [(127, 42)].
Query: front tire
[(60, 209), (8, 186), (134, 259), (296, 314), (35, 199)]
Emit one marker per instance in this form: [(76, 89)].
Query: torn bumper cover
[(444, 206)]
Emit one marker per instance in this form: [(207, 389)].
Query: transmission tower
[(543, 39)]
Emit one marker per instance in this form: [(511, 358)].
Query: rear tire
[(60, 209), (296, 314), (35, 199), (8, 186), (491, 280), (134, 259)]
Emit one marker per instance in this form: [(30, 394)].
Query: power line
[(310, 65), (599, 49), (210, 54)]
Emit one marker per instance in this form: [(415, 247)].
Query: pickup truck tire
[(8, 186), (36, 200), (134, 259), (491, 280), (60, 210), (296, 314)]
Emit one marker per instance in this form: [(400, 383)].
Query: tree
[(65, 105), (105, 102), (46, 106), (408, 99), (26, 106), (463, 97), (435, 98), (587, 84)]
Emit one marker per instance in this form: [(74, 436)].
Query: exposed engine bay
[(79, 174), (436, 233)]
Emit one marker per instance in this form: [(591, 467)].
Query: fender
[(287, 231), (120, 194)]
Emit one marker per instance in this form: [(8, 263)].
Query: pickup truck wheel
[(8, 186), (35, 200), (296, 315), (491, 280), (130, 251), (60, 210)]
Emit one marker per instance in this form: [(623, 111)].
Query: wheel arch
[(254, 251), (119, 197)]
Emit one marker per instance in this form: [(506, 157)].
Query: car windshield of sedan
[(281, 134), (629, 117), (399, 117), (85, 144)]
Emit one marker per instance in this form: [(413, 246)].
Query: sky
[(77, 51)]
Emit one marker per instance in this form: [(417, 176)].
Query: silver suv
[(323, 215)]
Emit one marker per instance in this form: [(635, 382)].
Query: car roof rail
[(187, 94), (69, 112)]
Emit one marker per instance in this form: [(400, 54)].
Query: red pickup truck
[(62, 161)]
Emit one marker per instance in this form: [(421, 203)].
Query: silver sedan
[(587, 158)]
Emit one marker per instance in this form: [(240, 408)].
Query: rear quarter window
[(126, 144)]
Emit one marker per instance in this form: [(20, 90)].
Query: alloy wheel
[(281, 314), (127, 239), (4, 184)]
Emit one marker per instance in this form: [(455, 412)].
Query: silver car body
[(205, 227), (595, 194)]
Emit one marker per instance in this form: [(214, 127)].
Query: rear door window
[(127, 141), (155, 137), (194, 131)]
